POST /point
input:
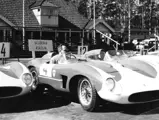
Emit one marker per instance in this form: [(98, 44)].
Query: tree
[(86, 8), (147, 10), (144, 13), (83, 7)]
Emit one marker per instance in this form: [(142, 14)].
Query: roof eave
[(101, 21), (7, 21)]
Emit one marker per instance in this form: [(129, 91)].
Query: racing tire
[(40, 89), (87, 95), (34, 74)]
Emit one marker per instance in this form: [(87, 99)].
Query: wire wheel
[(87, 95), (85, 92)]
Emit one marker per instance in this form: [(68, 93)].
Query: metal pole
[(82, 38), (94, 32), (129, 26), (23, 24)]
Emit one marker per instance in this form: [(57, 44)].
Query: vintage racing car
[(94, 80), (15, 81), (110, 55)]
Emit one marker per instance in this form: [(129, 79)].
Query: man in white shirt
[(61, 57)]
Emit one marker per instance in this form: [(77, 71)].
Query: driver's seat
[(57, 59), (62, 61)]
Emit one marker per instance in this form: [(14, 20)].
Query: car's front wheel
[(87, 95)]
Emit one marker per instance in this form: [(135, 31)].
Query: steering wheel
[(71, 56)]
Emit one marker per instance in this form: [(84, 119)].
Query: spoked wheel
[(87, 95)]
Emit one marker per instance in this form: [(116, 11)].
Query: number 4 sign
[(82, 50), (4, 50)]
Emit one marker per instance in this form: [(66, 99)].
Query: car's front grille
[(144, 96), (9, 91)]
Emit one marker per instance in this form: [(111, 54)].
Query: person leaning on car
[(61, 56)]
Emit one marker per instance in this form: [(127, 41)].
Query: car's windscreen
[(120, 53)]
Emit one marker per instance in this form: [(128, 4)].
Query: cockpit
[(109, 55)]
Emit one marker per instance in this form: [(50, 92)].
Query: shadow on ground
[(133, 109), (47, 101), (32, 103)]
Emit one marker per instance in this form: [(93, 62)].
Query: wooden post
[(40, 33), (65, 34), (32, 34), (82, 36), (33, 54), (70, 37), (88, 35), (4, 35), (54, 44)]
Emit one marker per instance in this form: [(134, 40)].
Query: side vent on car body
[(64, 80)]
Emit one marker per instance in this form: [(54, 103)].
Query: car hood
[(123, 67), (131, 78), (13, 69), (107, 68), (140, 66)]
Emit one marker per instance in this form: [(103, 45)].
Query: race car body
[(154, 53), (15, 80), (110, 55), (152, 60), (92, 80)]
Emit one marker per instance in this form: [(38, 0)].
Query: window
[(45, 12), (49, 12)]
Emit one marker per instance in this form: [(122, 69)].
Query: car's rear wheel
[(87, 95)]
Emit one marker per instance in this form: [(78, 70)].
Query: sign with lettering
[(4, 50), (40, 45), (82, 50)]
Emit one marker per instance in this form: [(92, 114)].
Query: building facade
[(56, 20)]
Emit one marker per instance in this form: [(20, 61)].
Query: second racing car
[(93, 80)]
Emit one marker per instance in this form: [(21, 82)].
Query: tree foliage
[(83, 7), (144, 13), (148, 14)]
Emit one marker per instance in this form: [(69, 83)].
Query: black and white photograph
[(79, 59)]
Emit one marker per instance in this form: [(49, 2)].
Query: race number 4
[(82, 50), (4, 50)]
